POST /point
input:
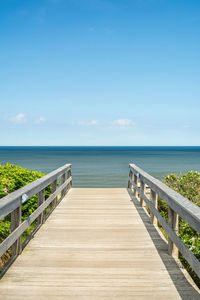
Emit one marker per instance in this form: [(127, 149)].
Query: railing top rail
[(14, 200), (181, 205)]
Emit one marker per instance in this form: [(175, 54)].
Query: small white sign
[(24, 198)]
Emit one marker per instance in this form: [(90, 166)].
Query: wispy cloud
[(18, 119), (40, 120), (122, 123), (89, 123)]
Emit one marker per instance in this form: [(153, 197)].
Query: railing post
[(16, 215), (68, 176), (41, 199), (136, 182), (130, 176), (173, 223), (154, 200), (143, 190), (63, 177), (54, 188)]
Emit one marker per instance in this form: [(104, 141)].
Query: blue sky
[(100, 72)]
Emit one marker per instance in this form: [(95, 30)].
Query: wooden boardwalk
[(97, 244)]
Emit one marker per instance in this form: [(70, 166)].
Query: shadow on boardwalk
[(185, 289)]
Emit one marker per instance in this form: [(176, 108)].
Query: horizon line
[(99, 145)]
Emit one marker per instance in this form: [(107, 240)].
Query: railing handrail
[(177, 206), (12, 204), (189, 211), (14, 199)]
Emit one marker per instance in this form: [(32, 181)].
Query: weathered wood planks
[(97, 244)]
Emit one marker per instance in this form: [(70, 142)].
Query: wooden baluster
[(130, 177), (54, 188), (69, 186), (136, 182), (173, 222), (143, 190), (41, 199), (16, 214), (63, 193), (154, 200)]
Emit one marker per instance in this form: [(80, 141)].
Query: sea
[(103, 166)]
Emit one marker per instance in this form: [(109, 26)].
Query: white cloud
[(18, 119), (40, 120), (122, 123), (89, 123)]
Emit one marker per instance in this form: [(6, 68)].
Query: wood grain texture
[(16, 216), (54, 188), (97, 244), (154, 200), (41, 200), (174, 223)]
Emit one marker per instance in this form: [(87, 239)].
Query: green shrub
[(12, 178), (188, 185)]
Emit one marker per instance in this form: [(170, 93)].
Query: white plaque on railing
[(24, 198)]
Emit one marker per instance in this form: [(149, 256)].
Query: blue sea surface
[(105, 166)]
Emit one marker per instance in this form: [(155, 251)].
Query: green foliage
[(12, 178), (188, 185), (4, 229)]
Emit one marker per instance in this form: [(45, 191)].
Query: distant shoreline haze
[(104, 166)]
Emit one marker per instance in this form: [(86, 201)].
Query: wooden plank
[(69, 175), (63, 177), (135, 178), (41, 199), (130, 176), (79, 254), (143, 189), (173, 222), (54, 188), (13, 200), (154, 200), (16, 216)]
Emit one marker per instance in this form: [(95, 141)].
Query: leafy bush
[(188, 185), (12, 178)]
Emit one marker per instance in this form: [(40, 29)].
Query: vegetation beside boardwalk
[(13, 177), (188, 185)]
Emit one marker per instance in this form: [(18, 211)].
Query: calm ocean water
[(104, 166)]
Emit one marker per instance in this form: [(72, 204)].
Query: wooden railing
[(61, 182), (139, 181)]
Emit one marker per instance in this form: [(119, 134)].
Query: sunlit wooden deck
[(97, 244)]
